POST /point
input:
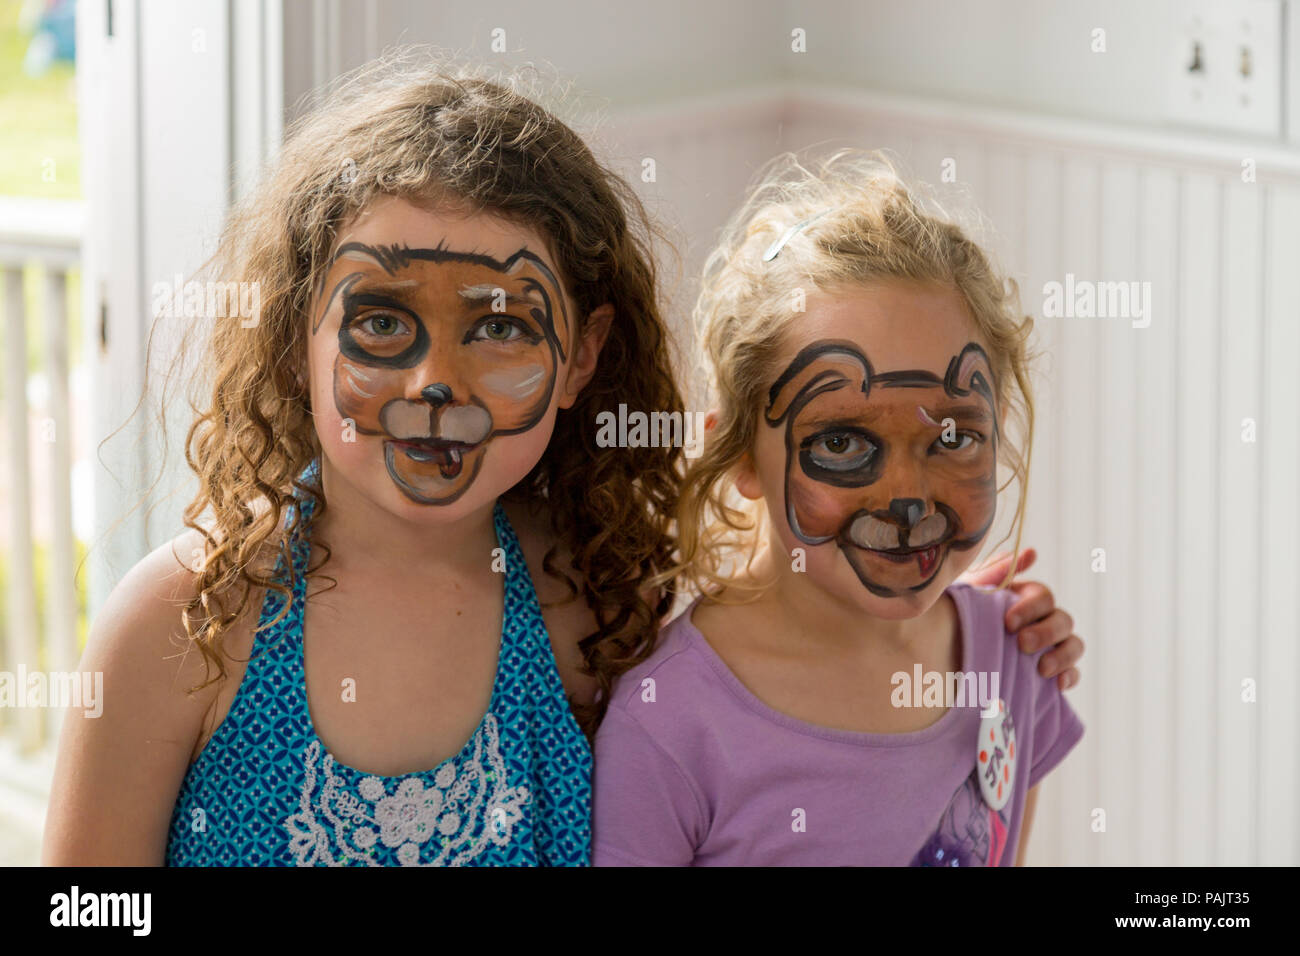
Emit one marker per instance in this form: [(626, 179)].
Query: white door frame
[(181, 103)]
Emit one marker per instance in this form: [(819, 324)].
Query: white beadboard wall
[(1139, 447)]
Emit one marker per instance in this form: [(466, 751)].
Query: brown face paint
[(868, 465), (423, 322)]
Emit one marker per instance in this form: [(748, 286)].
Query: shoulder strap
[(299, 553), (523, 611)]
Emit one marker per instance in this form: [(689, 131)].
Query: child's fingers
[(1069, 679), (1034, 603), (993, 571), (1026, 560), (1049, 631), (1062, 658)]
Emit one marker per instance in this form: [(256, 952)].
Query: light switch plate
[(1224, 68)]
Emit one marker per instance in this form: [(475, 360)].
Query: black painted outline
[(393, 258), (829, 381)]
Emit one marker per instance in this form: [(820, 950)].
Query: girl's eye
[(841, 451), (382, 325), (499, 329), (960, 442)]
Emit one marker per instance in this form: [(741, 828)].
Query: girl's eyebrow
[(382, 285), (486, 292), (835, 421), (356, 252), (906, 378), (968, 413), (348, 286)]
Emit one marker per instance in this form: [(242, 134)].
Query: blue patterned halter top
[(266, 792)]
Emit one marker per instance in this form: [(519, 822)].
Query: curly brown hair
[(428, 131)]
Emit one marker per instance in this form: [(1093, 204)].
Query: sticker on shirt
[(995, 756), (970, 832), (974, 828)]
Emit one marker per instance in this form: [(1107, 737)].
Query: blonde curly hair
[(848, 220)]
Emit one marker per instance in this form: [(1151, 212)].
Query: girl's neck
[(361, 532)]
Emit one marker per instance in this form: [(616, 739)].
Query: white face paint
[(465, 423), (355, 376), (869, 532), (468, 424), (515, 383), (406, 420)]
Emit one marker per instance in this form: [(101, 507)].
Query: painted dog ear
[(823, 367), (970, 371)]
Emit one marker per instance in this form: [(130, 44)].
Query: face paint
[(514, 382), (478, 340), (897, 468)]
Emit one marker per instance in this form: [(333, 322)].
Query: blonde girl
[(872, 380)]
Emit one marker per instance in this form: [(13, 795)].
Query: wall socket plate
[(1225, 66)]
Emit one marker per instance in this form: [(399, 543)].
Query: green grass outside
[(38, 121)]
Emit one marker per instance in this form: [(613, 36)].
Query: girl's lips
[(447, 455), (926, 558)]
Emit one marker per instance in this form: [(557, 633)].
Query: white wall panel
[(1277, 832)]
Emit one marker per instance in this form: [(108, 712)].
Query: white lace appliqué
[(336, 827)]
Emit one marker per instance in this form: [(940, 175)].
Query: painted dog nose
[(436, 395), (907, 510)]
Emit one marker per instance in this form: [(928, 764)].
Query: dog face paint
[(439, 351), (871, 466)]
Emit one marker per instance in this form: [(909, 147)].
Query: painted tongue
[(449, 463), (926, 560), (448, 460)]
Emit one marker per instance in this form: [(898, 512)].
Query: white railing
[(43, 237)]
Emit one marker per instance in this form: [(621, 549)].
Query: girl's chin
[(897, 607)]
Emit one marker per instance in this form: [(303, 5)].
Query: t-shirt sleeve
[(1057, 728), (645, 811)]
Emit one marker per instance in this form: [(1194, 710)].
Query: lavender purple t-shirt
[(709, 775)]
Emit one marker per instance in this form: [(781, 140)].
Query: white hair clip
[(775, 248)]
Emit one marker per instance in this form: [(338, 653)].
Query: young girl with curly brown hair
[(407, 427)]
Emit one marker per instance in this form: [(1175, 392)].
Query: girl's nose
[(907, 510), (903, 490), (437, 394)]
